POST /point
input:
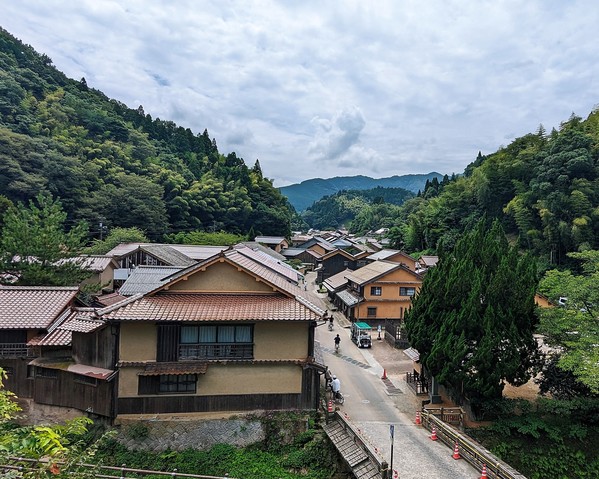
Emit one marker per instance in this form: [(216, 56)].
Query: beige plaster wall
[(231, 378), (138, 342), (221, 277), (281, 340), (250, 379), (128, 382)]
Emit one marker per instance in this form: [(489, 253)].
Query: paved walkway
[(373, 404)]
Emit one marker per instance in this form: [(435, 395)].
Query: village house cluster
[(184, 328)]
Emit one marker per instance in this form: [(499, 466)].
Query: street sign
[(392, 430)]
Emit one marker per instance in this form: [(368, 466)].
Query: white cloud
[(432, 82)]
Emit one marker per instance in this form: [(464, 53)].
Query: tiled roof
[(211, 307), (348, 298), (337, 280), (146, 278), (33, 307), (69, 365), (264, 249), (272, 264), (195, 252), (428, 260), (95, 263), (177, 368), (108, 299), (270, 239), (371, 271), (80, 320), (167, 254), (383, 254), (256, 268)]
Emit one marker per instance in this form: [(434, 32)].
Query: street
[(372, 405)]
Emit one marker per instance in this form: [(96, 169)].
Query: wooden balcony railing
[(16, 350), (216, 351)]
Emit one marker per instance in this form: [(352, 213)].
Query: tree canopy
[(115, 166), (36, 248), (573, 327), (474, 318)]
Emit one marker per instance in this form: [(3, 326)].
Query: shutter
[(168, 342)]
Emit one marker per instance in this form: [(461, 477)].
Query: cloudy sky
[(332, 88)]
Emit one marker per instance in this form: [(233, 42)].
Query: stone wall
[(160, 435)]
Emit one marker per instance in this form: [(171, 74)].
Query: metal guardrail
[(469, 449), (103, 472)]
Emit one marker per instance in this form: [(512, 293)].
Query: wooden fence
[(469, 450)]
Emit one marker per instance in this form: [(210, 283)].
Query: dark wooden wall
[(17, 381), (95, 349), (65, 391), (308, 399)]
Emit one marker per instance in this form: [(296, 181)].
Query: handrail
[(121, 471), (469, 449), (357, 437)]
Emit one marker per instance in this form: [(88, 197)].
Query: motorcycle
[(330, 326)]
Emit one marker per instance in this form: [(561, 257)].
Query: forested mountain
[(355, 209), (118, 166), (544, 189), (304, 194)]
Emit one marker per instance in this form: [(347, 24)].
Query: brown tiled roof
[(251, 264), (211, 307), (80, 320), (33, 307), (67, 364), (110, 298), (176, 367)]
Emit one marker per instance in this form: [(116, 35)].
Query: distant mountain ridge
[(303, 195)]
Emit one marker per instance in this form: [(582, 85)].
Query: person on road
[(331, 322), (335, 386), (337, 341)]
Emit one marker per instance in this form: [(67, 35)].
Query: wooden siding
[(65, 391), (17, 381), (96, 349), (160, 404)]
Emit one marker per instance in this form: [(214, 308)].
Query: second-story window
[(407, 291), (216, 342), (376, 291)]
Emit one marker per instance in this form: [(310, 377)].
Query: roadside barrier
[(469, 450), (456, 451)]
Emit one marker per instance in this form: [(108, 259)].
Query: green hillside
[(354, 209), (303, 195), (118, 166)]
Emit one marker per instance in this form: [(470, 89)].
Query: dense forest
[(358, 210), (543, 188), (114, 166)]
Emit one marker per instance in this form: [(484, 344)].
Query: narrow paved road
[(372, 405)]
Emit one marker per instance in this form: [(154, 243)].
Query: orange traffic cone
[(456, 451), (384, 376), (418, 421), (330, 406), (434, 434), (484, 472)]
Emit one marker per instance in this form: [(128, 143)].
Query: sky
[(317, 89)]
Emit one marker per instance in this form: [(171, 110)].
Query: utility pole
[(391, 433)]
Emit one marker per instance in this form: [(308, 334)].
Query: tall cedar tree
[(474, 317), (36, 250)]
